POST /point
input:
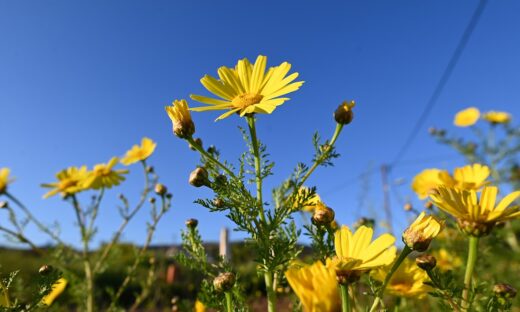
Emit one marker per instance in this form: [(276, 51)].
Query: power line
[(443, 80)]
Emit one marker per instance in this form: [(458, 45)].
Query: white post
[(224, 244)]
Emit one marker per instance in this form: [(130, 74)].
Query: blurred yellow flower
[(467, 117), (103, 175), (446, 260), (427, 181), (355, 253), (70, 181), (57, 288), (316, 286), (311, 202), (199, 307), (4, 179), (496, 117), (476, 216), (422, 231), (408, 281), (471, 177), (248, 88), (139, 153), (179, 113)]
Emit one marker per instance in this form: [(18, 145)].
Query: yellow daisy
[(139, 153), (199, 307), (179, 113), (248, 88), (496, 117), (476, 216), (70, 181), (422, 231), (427, 181), (4, 179), (407, 281), (57, 289), (356, 254), (467, 117), (316, 286), (103, 175), (471, 177)]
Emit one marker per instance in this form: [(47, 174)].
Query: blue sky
[(81, 82)]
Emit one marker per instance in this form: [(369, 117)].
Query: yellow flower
[(476, 216), (422, 231), (179, 113), (471, 177), (4, 179), (467, 117), (316, 286), (408, 281), (428, 180), (248, 88), (199, 307), (70, 181), (57, 288), (446, 261), (139, 153), (496, 117), (103, 175), (355, 253), (310, 203)]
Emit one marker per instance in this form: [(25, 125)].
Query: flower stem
[(318, 161), (258, 169), (201, 150), (345, 298), (404, 253), (229, 303), (271, 295), (470, 266)]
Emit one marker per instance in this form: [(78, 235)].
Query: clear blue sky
[(83, 81)]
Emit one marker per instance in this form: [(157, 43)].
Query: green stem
[(470, 266), (271, 294), (345, 298), (318, 162), (404, 253), (258, 169), (201, 150), (5, 296), (229, 303)]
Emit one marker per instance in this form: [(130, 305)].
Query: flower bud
[(160, 189), (198, 141), (192, 223), (503, 290), (428, 205), (348, 277), (407, 207), (150, 169), (179, 113), (4, 204), (421, 232), (45, 269), (199, 177), (151, 200), (212, 149), (224, 282), (323, 215), (426, 262), (343, 114), (432, 131), (364, 221), (477, 229), (169, 195), (218, 202)]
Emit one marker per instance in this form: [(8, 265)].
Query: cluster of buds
[(421, 232), (477, 229), (224, 282), (343, 114)]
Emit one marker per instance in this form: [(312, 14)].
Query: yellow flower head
[(103, 175), (248, 88), (179, 113), (476, 216), (467, 117), (57, 288), (139, 153), (311, 202), (356, 253), (316, 286), (428, 180), (422, 231), (4, 179), (471, 177), (496, 117), (447, 260), (70, 181), (199, 307), (408, 281)]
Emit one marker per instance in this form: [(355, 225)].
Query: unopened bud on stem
[(199, 177), (224, 282)]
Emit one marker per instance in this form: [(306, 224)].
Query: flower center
[(246, 99)]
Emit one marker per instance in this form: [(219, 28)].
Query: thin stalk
[(318, 162), (404, 253), (271, 295), (5, 294), (229, 303), (345, 298), (470, 266), (258, 169), (201, 150), (22, 238)]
